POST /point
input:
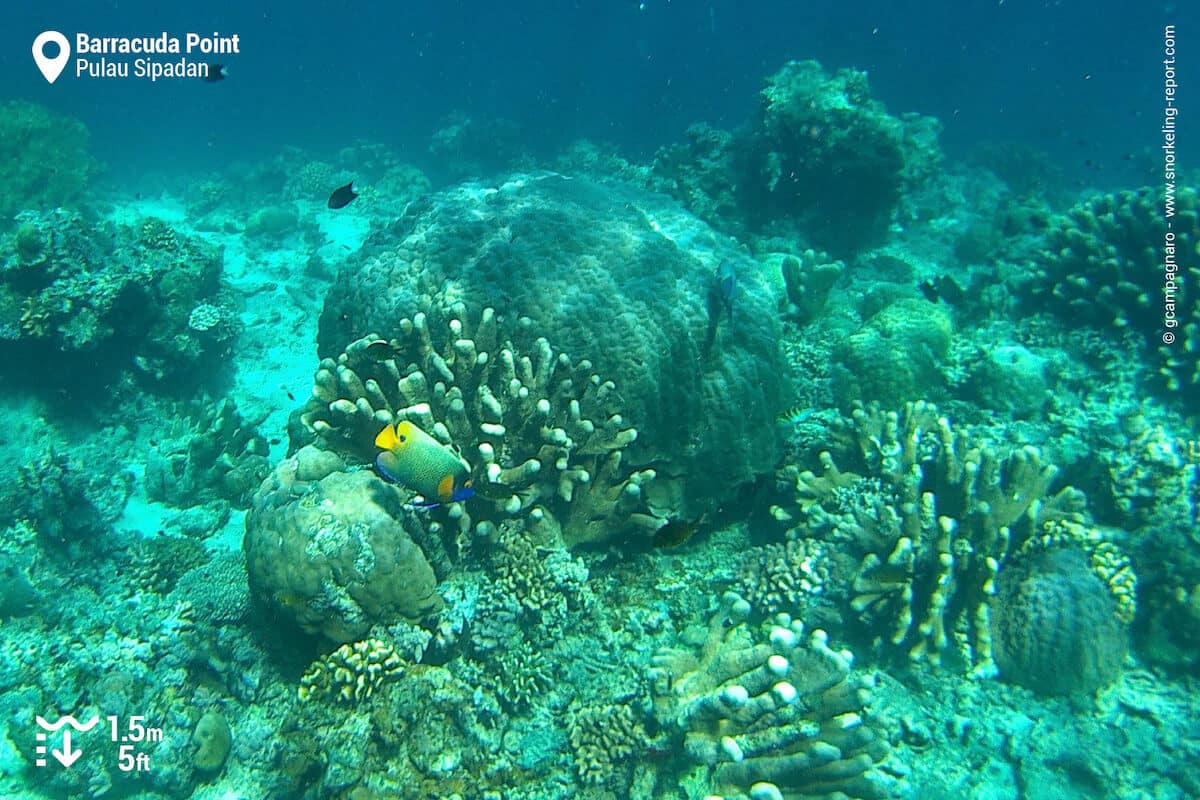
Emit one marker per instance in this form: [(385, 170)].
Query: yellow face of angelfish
[(398, 437), (416, 460)]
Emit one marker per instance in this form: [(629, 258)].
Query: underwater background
[(601, 400)]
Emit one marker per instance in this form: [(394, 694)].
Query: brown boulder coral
[(611, 274), (330, 552)]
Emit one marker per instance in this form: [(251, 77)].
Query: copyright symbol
[(1168, 338)]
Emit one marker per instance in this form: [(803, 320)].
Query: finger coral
[(216, 454), (544, 432), (937, 517), (775, 715)]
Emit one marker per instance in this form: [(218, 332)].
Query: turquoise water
[(599, 402)]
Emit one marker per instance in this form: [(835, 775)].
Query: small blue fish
[(725, 287)]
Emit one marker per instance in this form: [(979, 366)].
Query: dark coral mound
[(823, 159), (1103, 264), (1055, 624), (43, 158), (84, 303), (610, 274)]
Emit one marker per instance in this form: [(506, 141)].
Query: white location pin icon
[(51, 67)]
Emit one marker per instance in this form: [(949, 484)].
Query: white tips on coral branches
[(732, 749), (784, 692), (492, 429), (783, 638), (735, 695), (627, 436), (848, 720), (778, 665), (765, 791)]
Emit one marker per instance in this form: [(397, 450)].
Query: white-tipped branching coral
[(542, 431), (773, 714)]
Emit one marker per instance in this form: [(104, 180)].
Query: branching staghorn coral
[(774, 715), (944, 515), (542, 432)]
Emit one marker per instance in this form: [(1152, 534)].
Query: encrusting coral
[(774, 715), (543, 432), (898, 352), (935, 517), (351, 673), (783, 577)]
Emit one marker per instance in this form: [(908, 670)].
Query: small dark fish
[(726, 286), (673, 533), (944, 287), (343, 196), (379, 350), (213, 73)]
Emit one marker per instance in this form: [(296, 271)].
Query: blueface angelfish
[(417, 461), (342, 196)]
